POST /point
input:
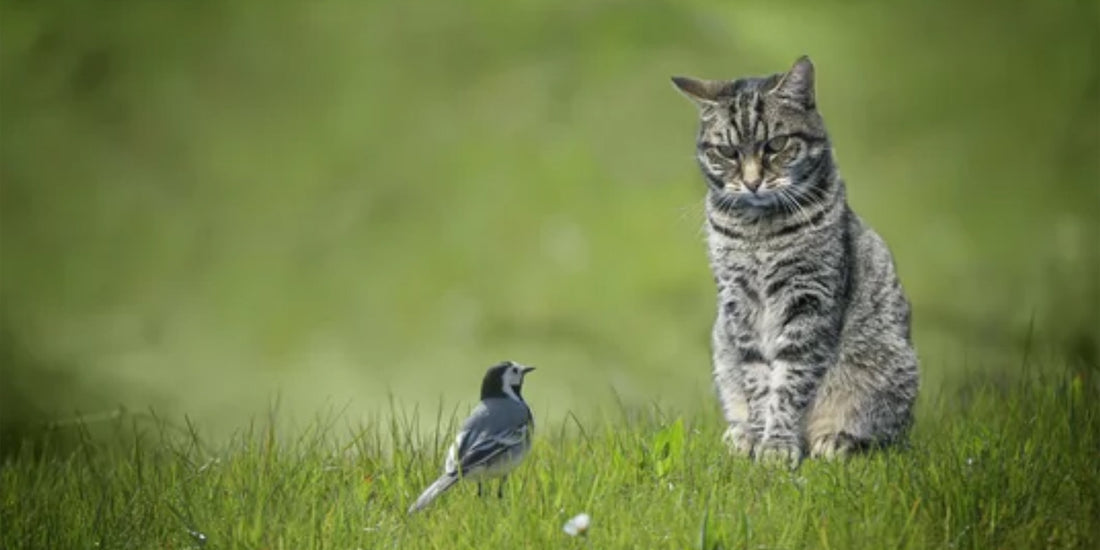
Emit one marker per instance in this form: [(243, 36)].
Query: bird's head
[(504, 379)]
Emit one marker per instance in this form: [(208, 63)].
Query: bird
[(493, 440)]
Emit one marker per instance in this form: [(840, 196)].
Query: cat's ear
[(798, 83), (702, 92)]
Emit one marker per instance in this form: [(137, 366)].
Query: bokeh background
[(209, 204)]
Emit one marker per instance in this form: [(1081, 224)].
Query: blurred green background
[(205, 204)]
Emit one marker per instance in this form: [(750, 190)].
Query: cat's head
[(761, 140)]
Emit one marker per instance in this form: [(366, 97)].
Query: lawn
[(1009, 465)]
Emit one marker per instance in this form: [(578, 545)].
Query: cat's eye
[(776, 144), (729, 152)]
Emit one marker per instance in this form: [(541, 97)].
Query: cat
[(811, 347)]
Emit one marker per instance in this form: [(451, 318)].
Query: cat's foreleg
[(800, 356), (729, 382)]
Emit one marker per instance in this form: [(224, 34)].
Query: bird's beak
[(527, 369)]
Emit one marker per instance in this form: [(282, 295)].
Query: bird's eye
[(729, 152), (776, 144)]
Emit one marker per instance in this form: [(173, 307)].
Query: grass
[(990, 465)]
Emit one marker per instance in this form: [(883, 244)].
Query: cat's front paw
[(739, 439), (778, 453), (833, 445)]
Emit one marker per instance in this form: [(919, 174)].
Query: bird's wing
[(476, 449), (495, 426)]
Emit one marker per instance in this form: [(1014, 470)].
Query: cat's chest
[(748, 291), (745, 272)]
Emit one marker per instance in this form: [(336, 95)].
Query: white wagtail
[(493, 439)]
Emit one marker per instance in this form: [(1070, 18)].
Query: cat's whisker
[(698, 213), (813, 195), (784, 202), (793, 200)]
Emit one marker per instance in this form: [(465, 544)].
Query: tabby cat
[(811, 346)]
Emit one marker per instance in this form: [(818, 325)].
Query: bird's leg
[(479, 489), (500, 488)]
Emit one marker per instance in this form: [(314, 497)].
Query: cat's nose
[(751, 173)]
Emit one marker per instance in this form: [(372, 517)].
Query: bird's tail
[(434, 490)]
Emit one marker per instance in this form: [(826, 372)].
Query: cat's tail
[(437, 488)]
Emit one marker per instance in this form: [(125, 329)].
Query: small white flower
[(199, 537), (577, 525)]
